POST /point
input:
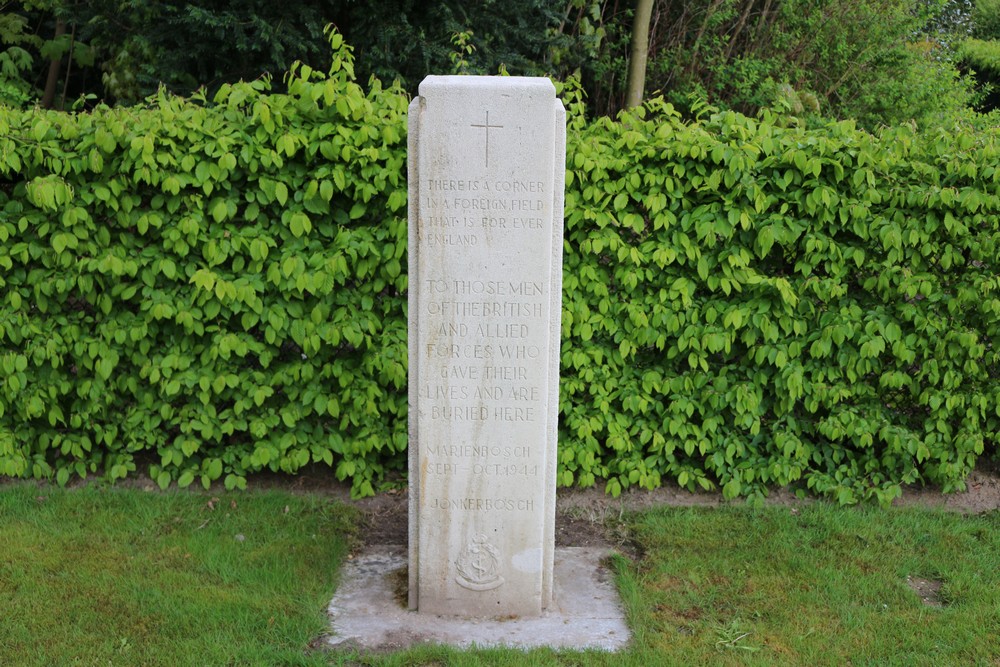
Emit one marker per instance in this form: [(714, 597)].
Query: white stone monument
[(486, 177)]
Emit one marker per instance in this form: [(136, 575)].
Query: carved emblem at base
[(478, 565)]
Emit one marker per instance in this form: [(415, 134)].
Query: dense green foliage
[(221, 286), (983, 55), (408, 40), (870, 60), (218, 285), (15, 60), (188, 45), (980, 53), (986, 19), (746, 304), (877, 61), (124, 50), (133, 47)]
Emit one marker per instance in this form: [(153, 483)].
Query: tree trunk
[(639, 53), (49, 96), (69, 68)]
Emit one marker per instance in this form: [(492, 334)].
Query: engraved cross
[(487, 127)]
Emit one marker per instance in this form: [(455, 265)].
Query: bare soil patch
[(588, 517), (592, 518), (928, 590)]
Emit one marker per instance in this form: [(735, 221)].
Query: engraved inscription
[(484, 504), (456, 209), (472, 185), (484, 328), (480, 451), (488, 470), (497, 461), (484, 309)]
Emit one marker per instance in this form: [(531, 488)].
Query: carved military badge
[(478, 565)]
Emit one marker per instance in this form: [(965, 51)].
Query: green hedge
[(221, 286), (747, 305)]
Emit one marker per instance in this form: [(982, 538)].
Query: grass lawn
[(817, 585), (121, 577)]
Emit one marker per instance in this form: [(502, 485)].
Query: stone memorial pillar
[(486, 175)]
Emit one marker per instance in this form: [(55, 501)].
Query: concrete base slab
[(369, 609)]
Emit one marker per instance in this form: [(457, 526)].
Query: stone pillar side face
[(413, 276), (555, 335), (486, 167)]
